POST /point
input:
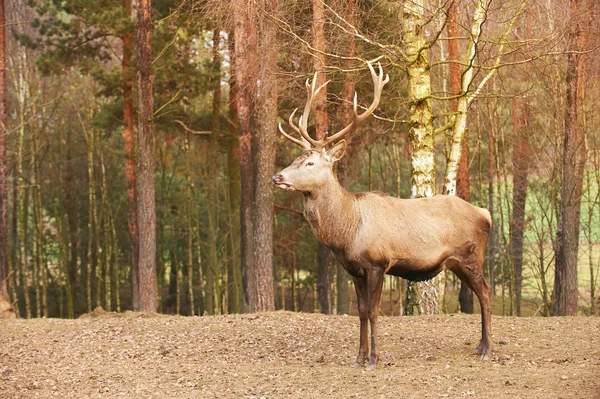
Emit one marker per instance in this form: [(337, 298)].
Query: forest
[(138, 142)]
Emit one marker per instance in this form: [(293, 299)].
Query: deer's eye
[(310, 164)]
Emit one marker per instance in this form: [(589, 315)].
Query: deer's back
[(417, 232)]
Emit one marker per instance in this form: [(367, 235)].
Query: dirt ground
[(283, 354)]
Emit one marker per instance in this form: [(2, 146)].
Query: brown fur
[(372, 233)]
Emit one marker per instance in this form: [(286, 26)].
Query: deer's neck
[(330, 212)]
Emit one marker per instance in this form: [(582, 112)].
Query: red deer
[(372, 234)]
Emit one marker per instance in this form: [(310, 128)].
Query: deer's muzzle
[(278, 181)]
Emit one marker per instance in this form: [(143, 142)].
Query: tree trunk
[(459, 123), (265, 162), (246, 50), (22, 195), (210, 300), (234, 276), (129, 152), (40, 274), (465, 296), (324, 255), (520, 170), (92, 229), (567, 235), (145, 183), (4, 233), (71, 267), (490, 180), (345, 117), (190, 205), (421, 126), (109, 245)]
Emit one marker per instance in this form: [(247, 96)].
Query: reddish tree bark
[(465, 296), (4, 234), (246, 51), (574, 153), (145, 184), (129, 152), (265, 159), (345, 118), (324, 256)]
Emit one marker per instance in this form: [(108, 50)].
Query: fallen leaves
[(287, 354)]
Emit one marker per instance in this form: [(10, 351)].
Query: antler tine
[(304, 144), (378, 83), (291, 121), (312, 90)]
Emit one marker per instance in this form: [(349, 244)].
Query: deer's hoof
[(356, 365), (371, 367), (483, 350)]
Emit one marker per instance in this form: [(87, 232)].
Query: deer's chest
[(317, 225)]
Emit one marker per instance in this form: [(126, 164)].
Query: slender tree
[(246, 52), (145, 183), (491, 258), (235, 302), (211, 300), (465, 296), (265, 160), (573, 157), (69, 266), (129, 152), (4, 228), (324, 255), (521, 158), (345, 116)]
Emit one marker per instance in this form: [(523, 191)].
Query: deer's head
[(314, 167)]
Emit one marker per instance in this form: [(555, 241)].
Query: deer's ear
[(337, 151)]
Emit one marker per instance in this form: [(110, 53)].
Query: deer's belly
[(415, 273)]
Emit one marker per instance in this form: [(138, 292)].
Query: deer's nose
[(277, 178)]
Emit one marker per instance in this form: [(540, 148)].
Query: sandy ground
[(281, 355)]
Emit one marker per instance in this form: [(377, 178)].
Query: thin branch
[(498, 57), (171, 100), (285, 208), (192, 131), (164, 49), (442, 129)]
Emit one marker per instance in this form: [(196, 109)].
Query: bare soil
[(283, 354)]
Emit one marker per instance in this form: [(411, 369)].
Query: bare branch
[(192, 131)]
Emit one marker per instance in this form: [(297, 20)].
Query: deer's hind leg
[(470, 271)]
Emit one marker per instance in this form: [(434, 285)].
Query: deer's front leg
[(360, 285), (374, 288)]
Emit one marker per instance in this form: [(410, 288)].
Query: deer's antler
[(308, 142)]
